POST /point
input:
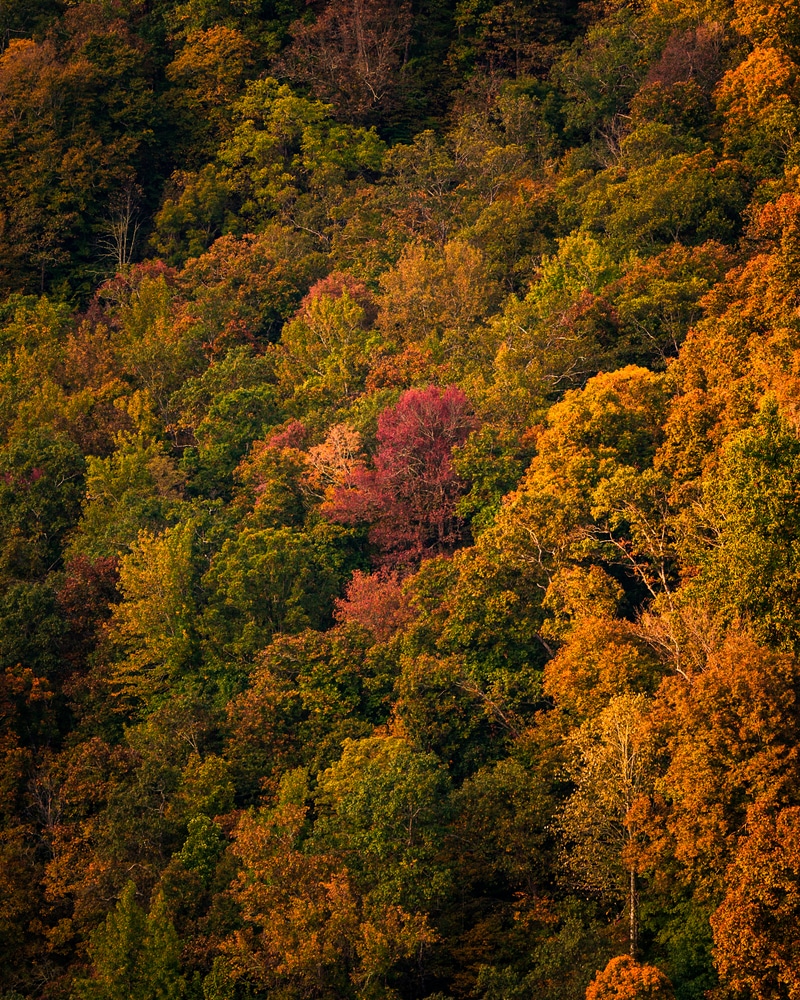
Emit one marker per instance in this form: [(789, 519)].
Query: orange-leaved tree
[(625, 979), (757, 927)]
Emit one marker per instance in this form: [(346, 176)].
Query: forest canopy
[(399, 500)]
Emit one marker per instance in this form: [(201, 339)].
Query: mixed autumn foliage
[(400, 500)]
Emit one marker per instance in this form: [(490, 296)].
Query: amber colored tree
[(602, 658), (625, 979), (735, 742), (331, 463), (299, 912), (759, 101), (766, 23), (207, 74), (72, 799), (757, 926)]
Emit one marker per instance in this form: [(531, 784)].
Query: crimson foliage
[(409, 497)]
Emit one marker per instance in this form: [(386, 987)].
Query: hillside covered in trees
[(399, 500)]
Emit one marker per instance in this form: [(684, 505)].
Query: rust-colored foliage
[(757, 926), (376, 601)]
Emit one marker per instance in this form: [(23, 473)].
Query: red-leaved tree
[(409, 497), (375, 601)]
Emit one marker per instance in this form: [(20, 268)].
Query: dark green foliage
[(134, 955), (41, 484)]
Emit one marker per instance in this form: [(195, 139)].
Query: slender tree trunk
[(634, 924)]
